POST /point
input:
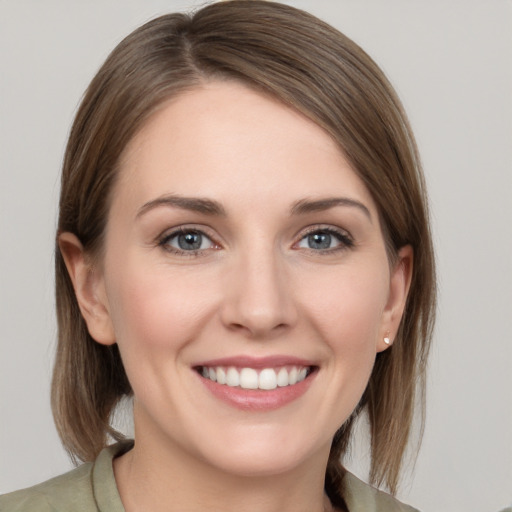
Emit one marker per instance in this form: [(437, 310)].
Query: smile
[(251, 378)]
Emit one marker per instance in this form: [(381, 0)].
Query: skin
[(255, 288)]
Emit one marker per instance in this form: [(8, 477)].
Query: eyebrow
[(195, 204), (309, 206), (213, 208)]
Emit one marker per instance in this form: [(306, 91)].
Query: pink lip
[(256, 399), (257, 363)]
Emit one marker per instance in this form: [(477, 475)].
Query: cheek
[(347, 308), (155, 309), (349, 304)]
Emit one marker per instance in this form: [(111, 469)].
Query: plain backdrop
[(451, 62)]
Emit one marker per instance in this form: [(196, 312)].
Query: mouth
[(257, 384), (249, 378)]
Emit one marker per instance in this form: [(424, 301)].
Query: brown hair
[(310, 66)]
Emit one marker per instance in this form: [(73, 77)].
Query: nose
[(258, 298)]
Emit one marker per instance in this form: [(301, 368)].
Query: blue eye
[(187, 241), (324, 240)]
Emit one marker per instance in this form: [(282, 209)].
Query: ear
[(400, 282), (89, 289)]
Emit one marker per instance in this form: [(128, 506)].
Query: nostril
[(259, 328)]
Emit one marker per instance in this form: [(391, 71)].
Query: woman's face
[(243, 251)]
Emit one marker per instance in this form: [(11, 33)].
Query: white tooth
[(212, 374), (204, 372), (292, 376), (221, 375), (268, 379), (282, 377), (249, 378), (232, 377), (302, 374)]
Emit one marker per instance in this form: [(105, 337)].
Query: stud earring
[(387, 341)]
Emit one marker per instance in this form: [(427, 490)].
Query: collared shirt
[(92, 488)]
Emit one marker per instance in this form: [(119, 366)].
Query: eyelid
[(346, 241), (343, 236), (163, 239)]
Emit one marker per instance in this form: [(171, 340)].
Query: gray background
[(451, 62)]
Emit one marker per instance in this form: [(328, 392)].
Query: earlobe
[(89, 289), (400, 282)]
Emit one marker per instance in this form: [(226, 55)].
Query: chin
[(252, 465), (269, 452)]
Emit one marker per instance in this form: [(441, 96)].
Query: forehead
[(225, 140)]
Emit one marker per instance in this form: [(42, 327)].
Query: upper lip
[(243, 361)]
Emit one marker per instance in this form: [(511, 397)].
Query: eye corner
[(319, 239), (187, 241)]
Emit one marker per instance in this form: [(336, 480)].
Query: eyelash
[(344, 239), (163, 241)]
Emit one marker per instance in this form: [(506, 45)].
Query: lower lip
[(257, 399)]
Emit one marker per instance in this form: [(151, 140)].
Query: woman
[(243, 247)]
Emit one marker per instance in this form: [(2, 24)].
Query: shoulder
[(88, 488), (71, 491), (361, 497)]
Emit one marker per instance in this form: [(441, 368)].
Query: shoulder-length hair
[(311, 67)]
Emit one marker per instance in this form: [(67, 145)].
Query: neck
[(150, 477)]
